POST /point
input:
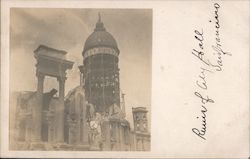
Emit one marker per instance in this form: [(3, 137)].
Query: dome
[(100, 37)]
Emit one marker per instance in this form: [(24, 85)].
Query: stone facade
[(96, 131)]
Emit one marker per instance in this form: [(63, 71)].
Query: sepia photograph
[(80, 79), (124, 79)]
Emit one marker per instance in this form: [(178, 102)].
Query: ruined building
[(91, 117)]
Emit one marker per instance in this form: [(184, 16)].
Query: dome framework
[(100, 69)]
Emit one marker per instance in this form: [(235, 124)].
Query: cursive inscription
[(209, 65)]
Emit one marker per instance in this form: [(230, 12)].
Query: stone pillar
[(37, 117), (51, 131), (117, 131), (29, 129), (85, 132), (107, 144), (132, 141), (121, 130), (123, 105), (60, 111)]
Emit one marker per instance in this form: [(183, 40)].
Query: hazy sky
[(67, 29)]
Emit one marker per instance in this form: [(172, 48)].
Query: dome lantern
[(99, 24)]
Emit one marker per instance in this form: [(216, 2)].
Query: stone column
[(60, 111), (107, 144), (123, 105), (119, 135), (37, 117), (121, 130), (28, 129), (117, 131), (85, 126), (50, 130)]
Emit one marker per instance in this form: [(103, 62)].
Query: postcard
[(124, 79)]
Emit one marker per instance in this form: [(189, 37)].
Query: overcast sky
[(67, 29)]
